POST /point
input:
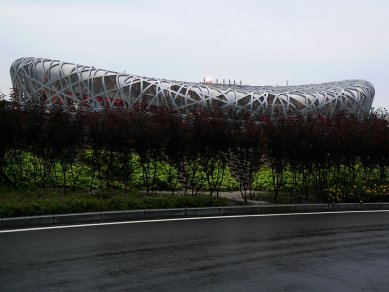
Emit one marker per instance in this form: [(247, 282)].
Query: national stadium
[(71, 85)]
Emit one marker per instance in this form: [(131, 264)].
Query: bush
[(263, 180), (29, 202), (358, 194)]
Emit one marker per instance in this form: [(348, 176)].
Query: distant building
[(70, 85)]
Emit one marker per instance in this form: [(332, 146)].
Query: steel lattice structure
[(69, 85)]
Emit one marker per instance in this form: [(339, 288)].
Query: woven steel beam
[(70, 85)]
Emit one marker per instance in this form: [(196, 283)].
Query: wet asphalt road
[(332, 252)]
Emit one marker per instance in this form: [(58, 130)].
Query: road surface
[(324, 252)]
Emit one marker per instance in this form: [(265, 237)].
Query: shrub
[(30, 202)]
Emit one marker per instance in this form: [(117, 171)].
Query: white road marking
[(185, 219)]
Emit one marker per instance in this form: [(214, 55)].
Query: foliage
[(29, 202), (358, 194), (160, 148), (263, 180)]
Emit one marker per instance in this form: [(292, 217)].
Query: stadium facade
[(70, 85)]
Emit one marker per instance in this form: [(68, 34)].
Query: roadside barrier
[(149, 214)]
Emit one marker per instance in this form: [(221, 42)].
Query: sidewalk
[(237, 196)]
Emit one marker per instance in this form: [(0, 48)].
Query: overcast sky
[(261, 42)]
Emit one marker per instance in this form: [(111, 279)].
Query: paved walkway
[(232, 195), (237, 196)]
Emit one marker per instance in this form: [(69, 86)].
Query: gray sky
[(263, 42)]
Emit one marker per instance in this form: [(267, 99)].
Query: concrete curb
[(26, 221), (164, 213), (272, 209), (312, 208), (77, 218), (149, 214), (244, 210), (375, 206), (122, 215), (208, 211)]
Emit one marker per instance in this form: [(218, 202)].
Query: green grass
[(31, 202)]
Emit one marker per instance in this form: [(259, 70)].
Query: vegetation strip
[(338, 158)]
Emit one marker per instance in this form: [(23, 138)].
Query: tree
[(149, 141), (247, 149), (65, 140), (9, 130), (211, 132), (276, 149)]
